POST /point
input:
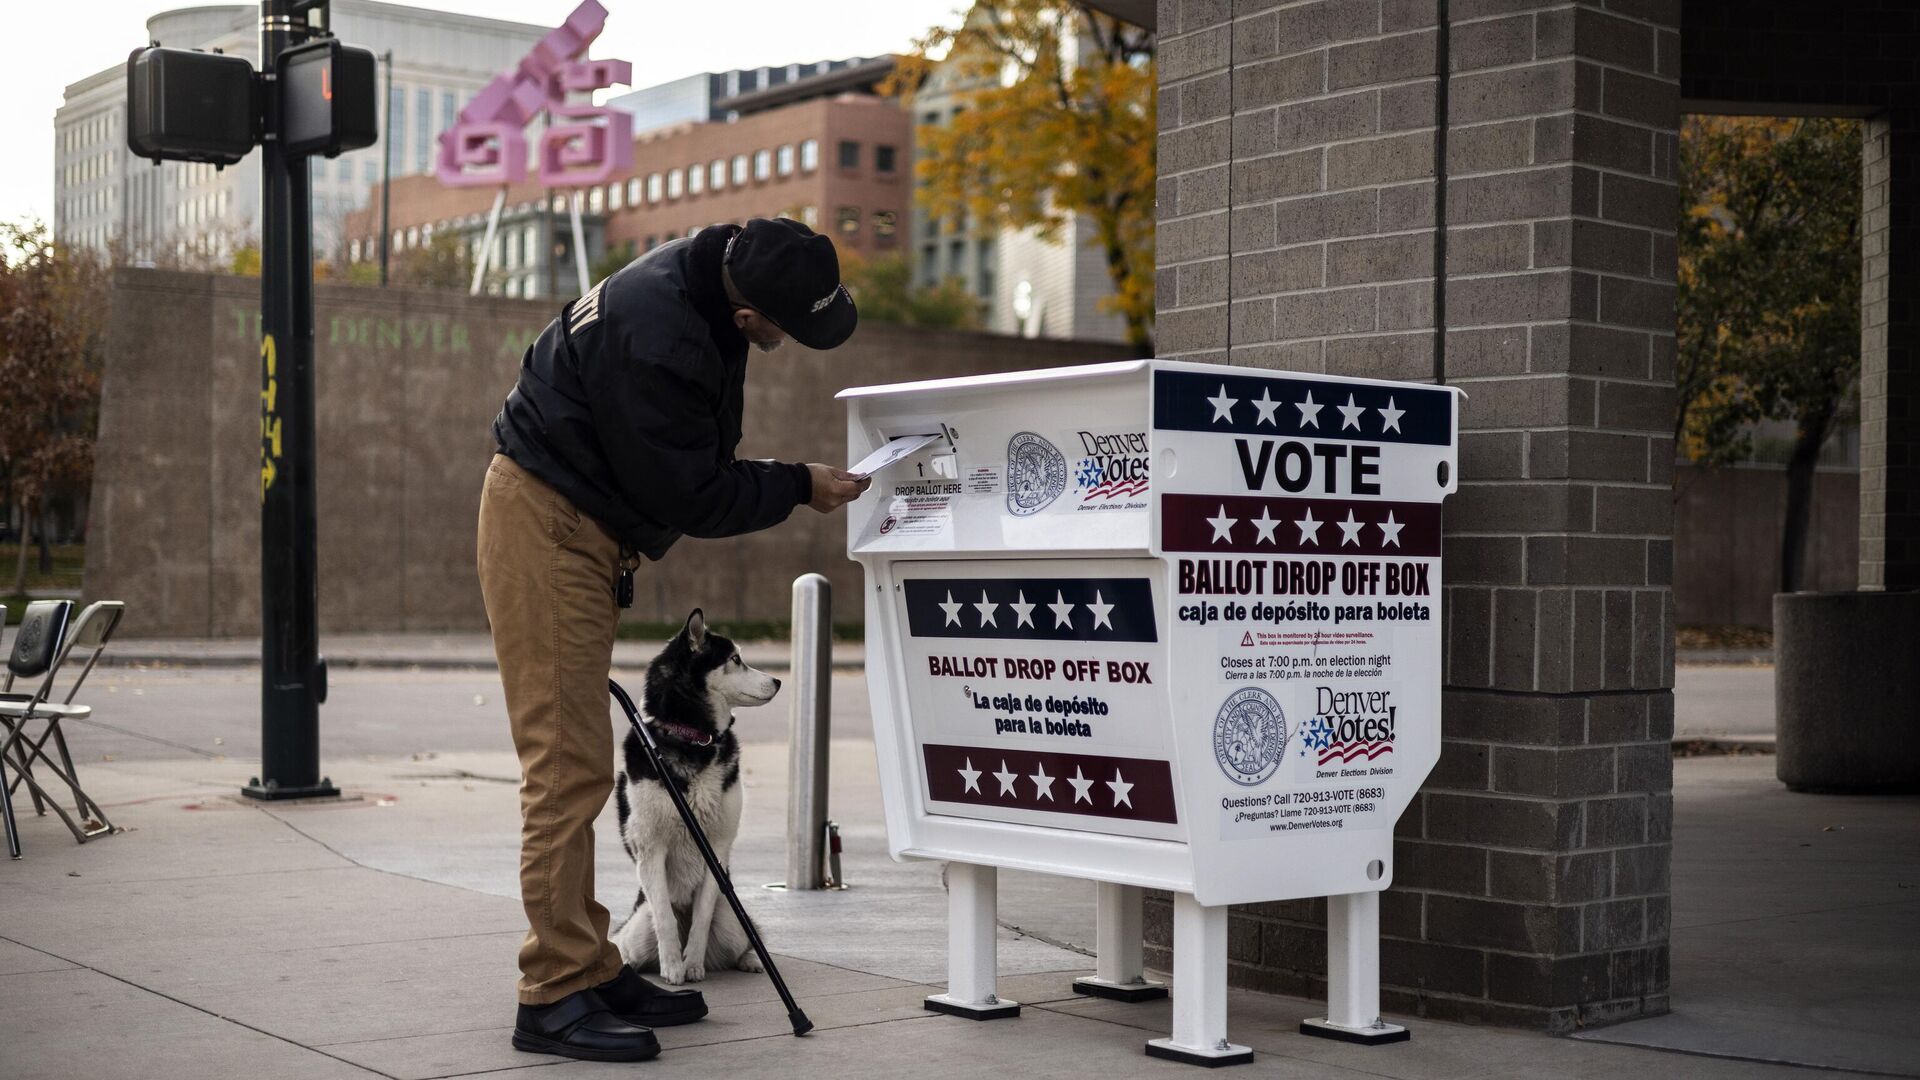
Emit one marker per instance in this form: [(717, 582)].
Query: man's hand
[(834, 488)]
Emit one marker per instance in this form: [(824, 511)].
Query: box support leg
[(1200, 989), (1118, 971), (1353, 975), (972, 925)]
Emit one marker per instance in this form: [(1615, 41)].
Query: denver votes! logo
[(1036, 474), (1249, 736)]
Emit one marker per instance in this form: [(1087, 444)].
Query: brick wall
[(1297, 231), (409, 381)]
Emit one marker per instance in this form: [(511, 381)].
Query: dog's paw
[(696, 970), (673, 971), (749, 962)]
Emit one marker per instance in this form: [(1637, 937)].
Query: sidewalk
[(375, 937), (423, 652)]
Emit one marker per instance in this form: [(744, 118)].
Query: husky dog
[(691, 691)]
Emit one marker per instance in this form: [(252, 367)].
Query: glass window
[(717, 174), (957, 258), (344, 171), (532, 242), (762, 164), (413, 237), (633, 192), (613, 195), (656, 188), (423, 110), (674, 180), (810, 154), (696, 179), (511, 255), (652, 242), (396, 128), (353, 251), (983, 258), (369, 172), (448, 110), (739, 169), (809, 215), (786, 160), (595, 202), (883, 158), (883, 223), (849, 154), (849, 220)]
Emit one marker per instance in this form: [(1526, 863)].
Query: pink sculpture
[(487, 145)]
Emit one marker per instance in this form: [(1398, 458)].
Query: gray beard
[(768, 346)]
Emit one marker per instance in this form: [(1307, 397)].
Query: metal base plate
[(999, 1010), (322, 790), (1234, 1054), (1366, 1036), (1113, 991)]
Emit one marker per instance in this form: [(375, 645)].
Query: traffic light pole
[(293, 677)]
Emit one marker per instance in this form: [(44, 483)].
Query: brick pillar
[(1297, 231), (1890, 355)]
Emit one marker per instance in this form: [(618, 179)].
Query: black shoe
[(581, 1025), (638, 1001)]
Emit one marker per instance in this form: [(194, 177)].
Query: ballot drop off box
[(1157, 625)]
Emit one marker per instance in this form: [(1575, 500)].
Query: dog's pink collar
[(682, 732)]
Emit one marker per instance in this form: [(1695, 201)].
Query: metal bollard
[(809, 729)]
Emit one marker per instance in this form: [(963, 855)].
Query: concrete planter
[(1847, 690)]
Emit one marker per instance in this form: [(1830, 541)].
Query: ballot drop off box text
[(1157, 625)]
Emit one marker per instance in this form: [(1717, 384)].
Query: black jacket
[(629, 404)]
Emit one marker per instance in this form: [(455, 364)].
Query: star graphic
[(1062, 611), (986, 608), (1267, 405), (1022, 612), (1006, 778), (1265, 523), (1080, 786), (1042, 784), (1309, 412), (952, 608), (1309, 528), (1101, 612), (1390, 417), (1350, 530), (1350, 414), (1223, 405), (1120, 788), (1319, 733), (1223, 525), (972, 776), (1390, 531)]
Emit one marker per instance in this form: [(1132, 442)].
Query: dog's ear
[(696, 630)]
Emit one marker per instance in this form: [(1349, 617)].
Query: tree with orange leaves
[(1769, 297), (1059, 121)]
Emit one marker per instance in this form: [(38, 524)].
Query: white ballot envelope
[(893, 451)]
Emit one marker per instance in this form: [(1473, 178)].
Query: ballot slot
[(934, 444)]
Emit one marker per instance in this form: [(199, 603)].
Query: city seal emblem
[(1249, 736), (1036, 474)]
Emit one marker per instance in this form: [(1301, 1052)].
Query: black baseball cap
[(791, 274)]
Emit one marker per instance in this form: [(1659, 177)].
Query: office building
[(182, 212)]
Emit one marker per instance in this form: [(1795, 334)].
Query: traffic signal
[(326, 98), (184, 105)]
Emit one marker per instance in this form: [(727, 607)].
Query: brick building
[(1302, 227), (823, 150)]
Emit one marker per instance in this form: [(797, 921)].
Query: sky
[(42, 50)]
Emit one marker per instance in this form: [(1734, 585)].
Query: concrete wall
[(408, 383), (1726, 540), (1298, 229)]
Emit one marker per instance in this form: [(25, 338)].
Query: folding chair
[(6, 792), (40, 649)]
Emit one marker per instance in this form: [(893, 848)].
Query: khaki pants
[(547, 573)]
